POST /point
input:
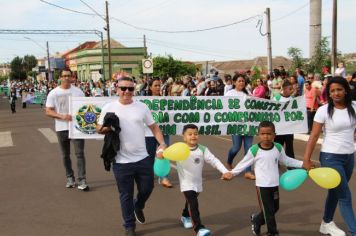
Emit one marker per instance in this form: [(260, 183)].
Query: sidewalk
[(305, 137)]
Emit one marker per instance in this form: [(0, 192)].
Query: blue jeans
[(151, 146), (64, 144), (126, 175), (236, 146), (344, 164)]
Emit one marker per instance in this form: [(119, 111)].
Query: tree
[(321, 58), (29, 62), (20, 67), (163, 66), (17, 71), (296, 55)]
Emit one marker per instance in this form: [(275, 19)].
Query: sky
[(289, 24)]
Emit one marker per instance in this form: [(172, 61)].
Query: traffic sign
[(147, 66)]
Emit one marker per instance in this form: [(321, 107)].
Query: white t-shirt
[(59, 99), (190, 171), (338, 132), (234, 92), (266, 165), (133, 118)]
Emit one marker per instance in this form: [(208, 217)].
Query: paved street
[(35, 202)]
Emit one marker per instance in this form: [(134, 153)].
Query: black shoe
[(130, 232), (140, 217), (270, 234), (256, 228)]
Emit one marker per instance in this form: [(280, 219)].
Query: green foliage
[(56, 75), (321, 58), (163, 66), (21, 66), (3, 78), (17, 70), (255, 74), (296, 55)]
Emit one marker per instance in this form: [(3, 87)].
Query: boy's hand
[(159, 152), (308, 164), (227, 176)]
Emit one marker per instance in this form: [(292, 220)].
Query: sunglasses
[(65, 75), (123, 89)]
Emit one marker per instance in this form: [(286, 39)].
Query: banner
[(215, 115)]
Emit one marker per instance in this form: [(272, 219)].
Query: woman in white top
[(338, 121), (240, 91)]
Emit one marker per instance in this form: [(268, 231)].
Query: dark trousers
[(286, 139), (268, 198), (191, 209), (13, 107), (310, 116), (126, 175), (24, 105)]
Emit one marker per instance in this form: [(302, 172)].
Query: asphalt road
[(35, 202)]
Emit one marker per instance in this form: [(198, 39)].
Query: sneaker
[(187, 222), (331, 229), (82, 185), (140, 217), (70, 182), (130, 232), (256, 228), (204, 232)]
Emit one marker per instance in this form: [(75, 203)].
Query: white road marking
[(5, 139), (49, 134)]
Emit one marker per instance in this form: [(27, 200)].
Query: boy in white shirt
[(286, 139), (190, 178), (265, 156)]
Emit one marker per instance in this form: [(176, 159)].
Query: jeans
[(64, 144), (310, 117), (344, 164), (151, 147), (236, 145), (126, 174)]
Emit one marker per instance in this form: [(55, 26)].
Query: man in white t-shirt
[(132, 162), (57, 107)]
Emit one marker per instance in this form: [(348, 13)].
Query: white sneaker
[(70, 182), (187, 222), (204, 232), (331, 229), (82, 185)]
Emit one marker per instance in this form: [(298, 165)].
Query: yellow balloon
[(325, 177), (177, 152)]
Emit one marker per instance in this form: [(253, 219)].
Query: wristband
[(159, 151)]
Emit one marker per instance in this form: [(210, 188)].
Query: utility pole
[(108, 35), (334, 39), (269, 41), (49, 64), (144, 45)]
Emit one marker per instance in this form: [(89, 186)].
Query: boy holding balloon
[(190, 178), (265, 156)]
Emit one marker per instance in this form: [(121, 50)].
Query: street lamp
[(46, 49)]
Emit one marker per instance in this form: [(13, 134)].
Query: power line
[(292, 12), (93, 10), (193, 51), (258, 16)]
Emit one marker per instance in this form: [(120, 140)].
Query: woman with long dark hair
[(239, 90), (154, 89), (338, 121)]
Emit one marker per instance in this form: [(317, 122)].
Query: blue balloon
[(292, 179), (162, 167)]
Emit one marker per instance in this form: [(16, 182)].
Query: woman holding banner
[(338, 121), (154, 89), (240, 91)]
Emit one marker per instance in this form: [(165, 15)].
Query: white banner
[(213, 115)]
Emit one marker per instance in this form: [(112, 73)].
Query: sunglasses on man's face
[(123, 89)]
